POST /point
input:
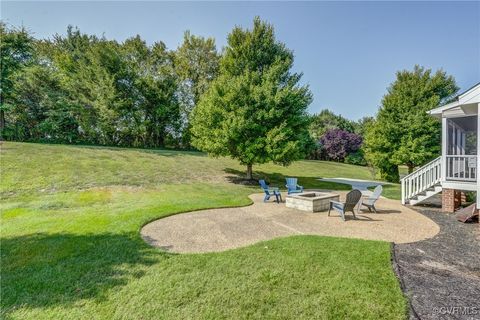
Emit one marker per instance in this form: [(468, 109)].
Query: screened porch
[(461, 149)]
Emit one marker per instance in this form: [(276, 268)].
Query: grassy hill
[(71, 247), (41, 167)]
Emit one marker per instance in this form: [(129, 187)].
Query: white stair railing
[(421, 179)]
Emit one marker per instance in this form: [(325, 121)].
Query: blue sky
[(348, 51)]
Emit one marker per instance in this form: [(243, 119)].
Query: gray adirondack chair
[(349, 205), (370, 202)]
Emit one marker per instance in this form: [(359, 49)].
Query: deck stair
[(427, 194), (423, 183)]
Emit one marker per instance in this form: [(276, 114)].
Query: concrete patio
[(228, 228)]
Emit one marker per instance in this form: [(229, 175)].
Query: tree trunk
[(249, 171)]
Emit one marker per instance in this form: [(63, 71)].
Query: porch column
[(451, 200), (458, 134)]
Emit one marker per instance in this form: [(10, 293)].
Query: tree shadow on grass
[(276, 179), (43, 270)]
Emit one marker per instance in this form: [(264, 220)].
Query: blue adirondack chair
[(270, 192), (292, 186)]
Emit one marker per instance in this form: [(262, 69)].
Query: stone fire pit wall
[(311, 201)]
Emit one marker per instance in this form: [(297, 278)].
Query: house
[(456, 170)]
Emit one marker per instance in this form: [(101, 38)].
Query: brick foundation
[(463, 197), (452, 199)]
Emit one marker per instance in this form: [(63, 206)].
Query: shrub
[(339, 143)]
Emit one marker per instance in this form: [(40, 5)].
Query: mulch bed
[(441, 276)]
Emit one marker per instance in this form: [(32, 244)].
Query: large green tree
[(255, 110), (80, 88), (403, 132), (16, 51), (41, 110), (196, 64), (154, 88), (361, 126)]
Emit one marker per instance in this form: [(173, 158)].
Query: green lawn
[(70, 221), (391, 191)]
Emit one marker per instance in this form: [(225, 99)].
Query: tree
[(320, 123), (16, 51), (155, 85), (255, 110), (40, 110), (404, 133), (339, 143), (362, 125), (196, 63), (80, 88), (86, 66), (326, 120)]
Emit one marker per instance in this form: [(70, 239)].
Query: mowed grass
[(71, 249), (391, 191), (40, 167)]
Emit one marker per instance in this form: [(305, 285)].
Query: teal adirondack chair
[(270, 192), (292, 186)]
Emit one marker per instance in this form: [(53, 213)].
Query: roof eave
[(440, 110)]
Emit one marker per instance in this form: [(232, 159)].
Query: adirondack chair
[(349, 205), (370, 202), (292, 186), (270, 192)]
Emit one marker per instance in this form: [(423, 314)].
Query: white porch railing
[(461, 168), (422, 179)]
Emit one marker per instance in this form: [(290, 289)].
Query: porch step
[(425, 195)]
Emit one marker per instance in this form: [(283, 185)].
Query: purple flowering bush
[(338, 143)]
